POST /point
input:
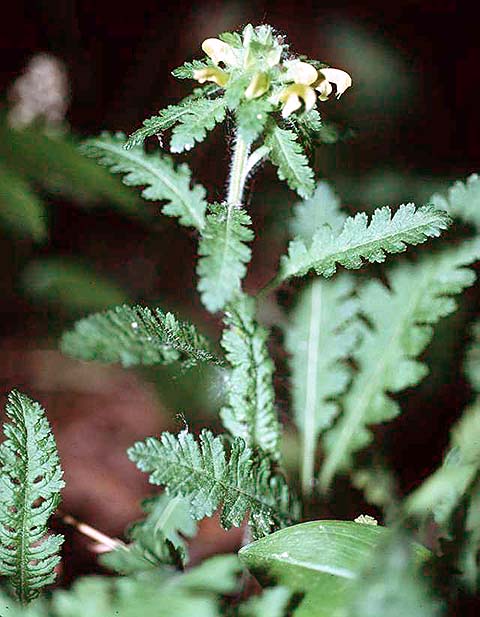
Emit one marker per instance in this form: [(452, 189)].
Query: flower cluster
[(258, 55)]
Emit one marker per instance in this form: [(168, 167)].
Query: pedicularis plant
[(352, 345)]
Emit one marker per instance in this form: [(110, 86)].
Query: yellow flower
[(341, 79), (259, 84), (211, 73), (218, 51), (306, 80)]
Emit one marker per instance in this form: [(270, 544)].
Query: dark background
[(414, 114)]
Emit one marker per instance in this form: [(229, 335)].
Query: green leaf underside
[(323, 208), (71, 284), (472, 363), (223, 255), (134, 335), (157, 540), (21, 211), (360, 240), (250, 411), (320, 338), (321, 559), (287, 154), (202, 473), (401, 321), (161, 593), (462, 201), (30, 484), (163, 181), (192, 127)]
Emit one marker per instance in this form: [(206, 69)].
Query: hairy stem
[(238, 172)]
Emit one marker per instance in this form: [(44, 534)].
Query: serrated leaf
[(271, 603), (30, 485), (286, 152), (250, 411), (363, 240), (187, 69), (321, 559), (155, 541), (462, 201), (201, 472), (134, 335), (252, 116), (21, 211), (163, 181), (323, 208), (155, 125), (223, 255), (192, 127), (320, 338), (401, 319)]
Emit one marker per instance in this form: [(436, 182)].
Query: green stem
[(272, 284), (238, 172)]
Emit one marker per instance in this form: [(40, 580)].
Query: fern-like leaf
[(223, 255), (202, 116), (201, 472), (134, 335), (462, 201), (157, 540), (401, 327), (472, 364), (323, 208), (286, 152), (163, 181), (361, 240), (30, 485), (155, 125), (187, 70), (250, 412), (320, 338)]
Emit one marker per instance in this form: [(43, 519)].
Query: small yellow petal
[(211, 73), (259, 84), (325, 89), (341, 79), (219, 51), (304, 73), (292, 104), (292, 96)]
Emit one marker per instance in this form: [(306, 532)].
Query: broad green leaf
[(361, 240), (71, 284), (21, 211), (163, 181), (320, 559)]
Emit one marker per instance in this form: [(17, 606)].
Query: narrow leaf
[(362, 240), (202, 116), (223, 255), (30, 485), (320, 338), (155, 125), (250, 412), (401, 319), (163, 181), (287, 154), (134, 335)]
